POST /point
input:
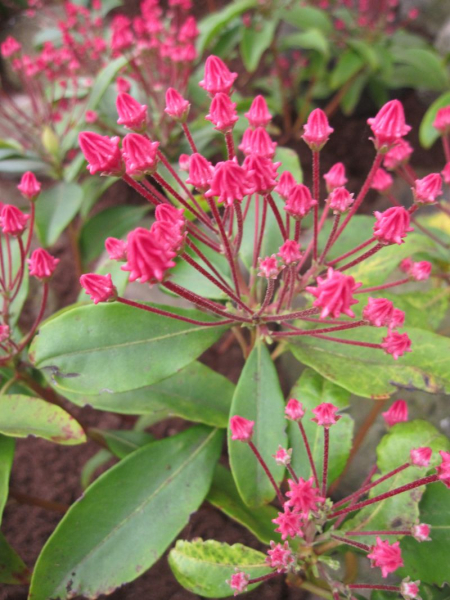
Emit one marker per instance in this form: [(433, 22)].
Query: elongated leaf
[(196, 393), (7, 446), (56, 208), (348, 65), (127, 517), (419, 68), (427, 133), (305, 17), (312, 39), (402, 510), (21, 416), (204, 567), (19, 300), (258, 397), (312, 389), (429, 561), (213, 24), (93, 188), (99, 459), (115, 348), (123, 442), (371, 373), (254, 42), (224, 495), (12, 568)]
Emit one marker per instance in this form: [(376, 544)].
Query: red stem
[(326, 450), (367, 254), (309, 453), (316, 192), (337, 218), (364, 547), (350, 252), (230, 145), (38, 319), (240, 225), (393, 532), (267, 471), (277, 214), (226, 244), (385, 286), (370, 586), (316, 331), (189, 137)]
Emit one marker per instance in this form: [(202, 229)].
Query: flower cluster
[(299, 284), (306, 512), (16, 232)]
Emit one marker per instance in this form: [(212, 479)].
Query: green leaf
[(418, 68), (17, 166), (312, 39), (114, 348), (123, 442), (212, 25), (99, 459), (305, 17), (93, 188), (21, 416), (115, 221), (258, 397), (428, 561), (15, 308), (290, 161), (402, 510), (348, 65), (312, 390), (127, 518), (7, 446), (427, 133), (204, 567), (353, 95), (371, 373), (224, 495), (13, 570), (55, 209), (366, 51), (255, 41)]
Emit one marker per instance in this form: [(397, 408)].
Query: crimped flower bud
[(389, 125), (222, 113), (317, 130), (285, 184), (386, 556), (378, 312), (258, 115), (398, 155), (99, 287), (382, 181), (325, 414), (294, 410), (299, 202), (102, 153), (421, 532), (421, 457), (9, 47), (29, 186), (283, 457), (147, 260), (176, 106), (443, 470), (397, 413), (230, 182), (335, 177), (289, 252), (340, 200), (241, 429), (238, 582), (428, 189), (258, 141), (140, 155), (397, 344), (269, 267), (218, 78), (116, 249), (410, 589), (335, 294), (280, 557), (392, 225), (42, 264), (200, 172), (13, 220), (442, 120), (264, 173), (132, 114)]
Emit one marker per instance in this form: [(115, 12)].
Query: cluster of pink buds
[(16, 228), (289, 283), (308, 516), (159, 46)]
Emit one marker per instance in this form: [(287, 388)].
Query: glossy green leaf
[(93, 188), (13, 570), (255, 41), (224, 495), (113, 348), (99, 459), (402, 510), (18, 166), (305, 17), (212, 25), (427, 133), (127, 517), (366, 51), (290, 161), (18, 302), (55, 209), (21, 416), (204, 567), (115, 221), (348, 65), (370, 372), (419, 68), (312, 389), (7, 446), (428, 561), (258, 397), (122, 442), (312, 39)]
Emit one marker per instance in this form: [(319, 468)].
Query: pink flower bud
[(4, 333), (264, 172), (397, 413), (238, 582), (140, 155), (269, 267), (285, 184), (101, 152), (99, 287), (183, 162), (289, 523), (176, 106), (294, 410), (42, 264), (378, 312), (189, 30), (222, 113), (283, 457), (396, 343), (218, 77), (335, 177), (174, 216), (200, 172), (325, 414), (9, 47), (446, 173), (340, 200), (257, 141), (410, 589), (230, 182), (389, 124), (289, 252), (386, 556), (116, 249), (420, 457), (122, 85), (443, 470), (442, 120), (317, 130), (12, 220), (382, 181), (90, 116), (392, 225), (398, 155), (303, 496), (334, 294), (421, 532), (241, 429), (29, 186), (398, 319), (299, 202), (258, 115), (132, 114), (280, 557), (428, 189), (147, 260), (420, 271)]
